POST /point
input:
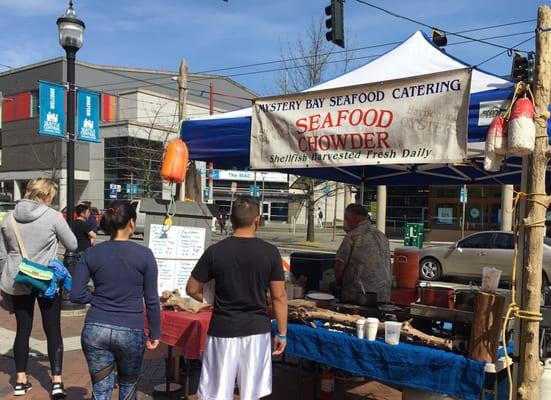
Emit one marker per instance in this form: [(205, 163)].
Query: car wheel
[(430, 269)]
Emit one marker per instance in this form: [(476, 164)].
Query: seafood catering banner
[(421, 119)]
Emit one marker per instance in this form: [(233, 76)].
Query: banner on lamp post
[(416, 120), (51, 99), (88, 116)]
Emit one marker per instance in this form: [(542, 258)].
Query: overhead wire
[(458, 34), (504, 51)]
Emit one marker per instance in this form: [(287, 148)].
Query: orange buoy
[(175, 161)]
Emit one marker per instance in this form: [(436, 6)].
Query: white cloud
[(25, 53)]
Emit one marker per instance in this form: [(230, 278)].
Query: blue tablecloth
[(402, 365)]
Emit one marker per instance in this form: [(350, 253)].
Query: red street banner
[(417, 120)]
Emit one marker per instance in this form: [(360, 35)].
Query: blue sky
[(213, 34)]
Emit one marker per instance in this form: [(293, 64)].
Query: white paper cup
[(360, 328), (371, 327), (392, 332), (290, 292), (490, 279)]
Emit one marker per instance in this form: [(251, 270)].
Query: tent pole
[(381, 208)]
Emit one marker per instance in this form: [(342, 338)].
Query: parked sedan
[(466, 258)]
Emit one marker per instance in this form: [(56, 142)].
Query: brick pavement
[(289, 382)]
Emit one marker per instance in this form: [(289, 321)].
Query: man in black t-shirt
[(244, 268)]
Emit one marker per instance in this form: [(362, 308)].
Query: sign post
[(233, 190), (463, 200)]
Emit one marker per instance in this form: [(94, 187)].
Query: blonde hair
[(41, 190)]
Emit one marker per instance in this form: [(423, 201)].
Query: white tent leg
[(506, 223), (381, 208)]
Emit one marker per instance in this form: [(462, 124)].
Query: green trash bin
[(413, 235)]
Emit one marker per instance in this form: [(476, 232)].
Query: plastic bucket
[(406, 267)]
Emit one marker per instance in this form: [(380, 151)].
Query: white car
[(140, 217), (466, 257)]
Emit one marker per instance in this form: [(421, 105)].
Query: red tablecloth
[(185, 331)]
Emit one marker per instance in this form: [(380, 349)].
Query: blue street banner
[(52, 109), (88, 116)]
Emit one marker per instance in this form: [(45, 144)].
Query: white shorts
[(247, 358)]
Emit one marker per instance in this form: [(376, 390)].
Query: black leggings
[(51, 318)]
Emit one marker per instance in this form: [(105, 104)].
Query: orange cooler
[(406, 267)]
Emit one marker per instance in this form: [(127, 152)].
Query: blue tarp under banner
[(404, 364)]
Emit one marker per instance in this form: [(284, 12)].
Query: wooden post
[(530, 370), (182, 106), (486, 327)]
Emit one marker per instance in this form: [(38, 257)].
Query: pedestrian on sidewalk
[(124, 274), (238, 345), (83, 230), (222, 218), (40, 228), (320, 217)]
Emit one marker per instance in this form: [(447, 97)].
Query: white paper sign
[(176, 249), (420, 119)]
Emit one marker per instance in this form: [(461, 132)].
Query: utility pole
[(211, 165), (530, 370), (182, 105), (335, 211)]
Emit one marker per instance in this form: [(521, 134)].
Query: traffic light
[(530, 68), (335, 22), (439, 38), (522, 68)]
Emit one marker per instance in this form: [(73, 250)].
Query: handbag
[(30, 273)]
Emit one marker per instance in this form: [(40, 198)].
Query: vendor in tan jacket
[(363, 258)]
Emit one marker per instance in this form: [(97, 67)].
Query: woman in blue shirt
[(124, 274)]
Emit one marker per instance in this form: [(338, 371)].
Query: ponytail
[(116, 216)]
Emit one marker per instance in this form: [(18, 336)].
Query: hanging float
[(175, 161)]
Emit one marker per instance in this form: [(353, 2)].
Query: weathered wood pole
[(530, 370)]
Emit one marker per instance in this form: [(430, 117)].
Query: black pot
[(369, 299), (465, 299)]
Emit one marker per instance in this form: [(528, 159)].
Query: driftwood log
[(174, 301), (305, 311)]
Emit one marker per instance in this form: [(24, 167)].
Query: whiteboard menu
[(176, 249)]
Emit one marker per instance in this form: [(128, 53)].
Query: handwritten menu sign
[(176, 249)]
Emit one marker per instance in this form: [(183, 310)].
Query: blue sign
[(51, 100), (254, 191), (463, 195), (113, 190), (216, 174), (131, 188), (88, 116)]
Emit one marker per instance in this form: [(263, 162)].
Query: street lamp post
[(71, 29)]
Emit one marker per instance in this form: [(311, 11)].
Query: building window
[(8, 109), (135, 165), (444, 214), (109, 108), (23, 105)]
